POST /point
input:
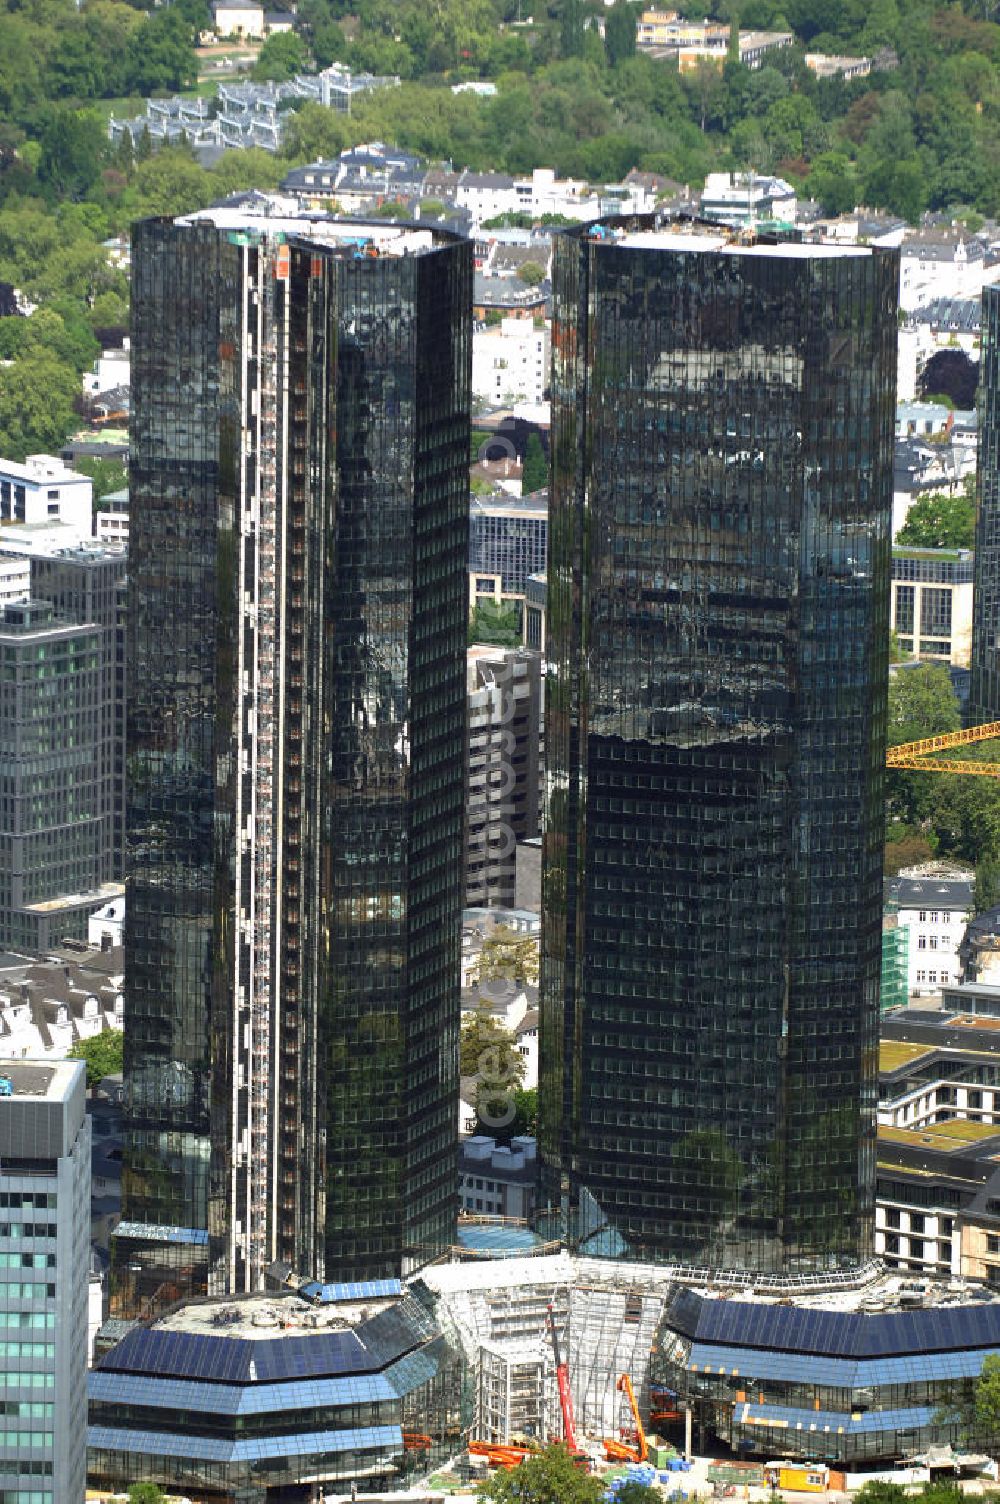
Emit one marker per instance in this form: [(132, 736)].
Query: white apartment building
[(111, 522), (945, 266), (510, 363), (45, 492), (935, 902)]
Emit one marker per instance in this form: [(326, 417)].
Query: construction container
[(805, 1478)]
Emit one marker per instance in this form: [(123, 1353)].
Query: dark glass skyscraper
[(298, 586), (718, 576), (984, 696)]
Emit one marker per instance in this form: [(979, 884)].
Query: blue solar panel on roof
[(193, 1355), (835, 1333), (369, 1289)]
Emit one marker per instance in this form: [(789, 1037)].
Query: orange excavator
[(620, 1451)]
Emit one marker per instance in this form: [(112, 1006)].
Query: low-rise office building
[(930, 608), (938, 1175), (852, 1381), (508, 541), (56, 835), (497, 1179), (271, 1397), (43, 490)]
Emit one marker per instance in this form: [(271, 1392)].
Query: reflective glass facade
[(843, 1386), (984, 698), (298, 560), (232, 1406), (55, 850), (718, 577)]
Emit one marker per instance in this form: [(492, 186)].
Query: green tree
[(905, 848), (107, 476), (508, 956), (921, 703), (531, 273), (146, 1493), (73, 145), (619, 32), (940, 521), (103, 1053), (282, 56), (489, 1051), (535, 471), (160, 56), (491, 624), (551, 1477), (833, 181), (987, 1399), (36, 404), (987, 883), (315, 134), (525, 1113), (633, 1492), (879, 1491), (572, 34)]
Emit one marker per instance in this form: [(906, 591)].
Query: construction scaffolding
[(515, 1394), (606, 1315)]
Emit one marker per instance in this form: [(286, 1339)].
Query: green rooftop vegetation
[(946, 1138), (893, 1053)]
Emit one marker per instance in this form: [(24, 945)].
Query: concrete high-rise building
[(44, 1280), (505, 751), (296, 715), (56, 836), (718, 585), (87, 583)]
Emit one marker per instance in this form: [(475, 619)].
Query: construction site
[(638, 1363)]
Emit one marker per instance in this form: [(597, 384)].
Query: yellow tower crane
[(917, 755)]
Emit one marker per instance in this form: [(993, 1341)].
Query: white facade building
[(45, 1257), (111, 368), (544, 193), (736, 198), (45, 492), (111, 522), (15, 580), (511, 363), (238, 18), (104, 927), (949, 267), (935, 902)]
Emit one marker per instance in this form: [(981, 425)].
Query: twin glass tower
[(722, 443), (718, 631), (296, 727)]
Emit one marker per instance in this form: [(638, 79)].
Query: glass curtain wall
[(718, 578)]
